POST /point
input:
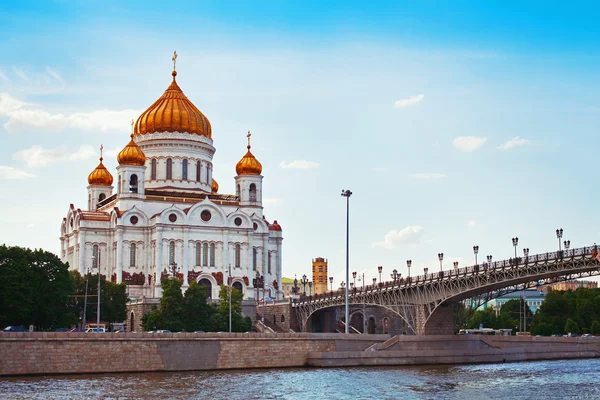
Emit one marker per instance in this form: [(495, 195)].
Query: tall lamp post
[(441, 258), (347, 194), (229, 281), (394, 275), (304, 281), (475, 251), (380, 268), (87, 279), (455, 265), (515, 242), (567, 244), (489, 259), (354, 277), (331, 282), (310, 287), (408, 264), (98, 309), (559, 235), (374, 282)]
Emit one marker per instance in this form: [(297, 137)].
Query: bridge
[(425, 302)]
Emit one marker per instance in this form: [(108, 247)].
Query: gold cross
[(132, 125), (174, 59), (101, 148), (248, 136)]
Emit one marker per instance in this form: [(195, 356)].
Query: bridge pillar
[(440, 322)]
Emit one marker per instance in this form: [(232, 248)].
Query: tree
[(571, 326), (221, 319), (514, 309), (198, 313), (171, 305), (34, 289), (595, 329), (485, 318)]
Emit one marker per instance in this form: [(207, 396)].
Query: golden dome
[(100, 176), (131, 154), (215, 186), (248, 165), (173, 112)]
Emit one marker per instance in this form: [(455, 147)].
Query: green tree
[(221, 319), (571, 326), (34, 289), (514, 309), (198, 313), (485, 318), (595, 329), (171, 305)]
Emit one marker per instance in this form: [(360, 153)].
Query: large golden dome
[(248, 165), (215, 186), (173, 112), (131, 154), (100, 176)]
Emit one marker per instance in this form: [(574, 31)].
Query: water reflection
[(547, 379)]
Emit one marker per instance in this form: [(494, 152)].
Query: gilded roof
[(100, 176), (131, 154)]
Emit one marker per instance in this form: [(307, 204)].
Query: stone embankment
[(444, 349)]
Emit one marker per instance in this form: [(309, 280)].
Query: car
[(199, 332), (162, 331), (62, 330), (14, 328), (95, 330), (587, 335), (77, 330)]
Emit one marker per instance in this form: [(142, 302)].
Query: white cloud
[(112, 152), (23, 116), (37, 156), (13, 173), (411, 101), (514, 142), (468, 143), (21, 73), (471, 224), (410, 235), (426, 175), (268, 202), (300, 164), (54, 74)]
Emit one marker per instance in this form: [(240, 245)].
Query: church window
[(198, 169), (172, 217), (171, 252), (198, 254), (101, 197), (255, 226), (205, 215), (133, 184), (254, 258), (269, 263), (212, 254), (184, 170), (153, 169), (95, 254), (133, 220), (132, 250), (237, 255), (237, 221), (205, 254), (169, 168), (252, 192)]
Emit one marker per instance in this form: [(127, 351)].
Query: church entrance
[(238, 286), (207, 287)]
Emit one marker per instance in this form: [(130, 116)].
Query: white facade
[(164, 213)]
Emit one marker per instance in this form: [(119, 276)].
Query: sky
[(454, 124)]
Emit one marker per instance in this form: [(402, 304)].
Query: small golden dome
[(248, 165), (173, 112), (215, 186), (100, 176), (131, 154)]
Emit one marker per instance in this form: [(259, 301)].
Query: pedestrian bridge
[(424, 302)]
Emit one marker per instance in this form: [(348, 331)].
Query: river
[(566, 379)]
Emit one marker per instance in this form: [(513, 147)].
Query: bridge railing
[(454, 273)]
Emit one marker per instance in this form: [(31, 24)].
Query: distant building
[(570, 285), (319, 275), (533, 297), (287, 284)]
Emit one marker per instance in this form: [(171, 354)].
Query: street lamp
[(455, 265), (87, 279), (515, 242), (331, 282), (408, 264), (425, 271), (374, 282), (347, 194), (354, 277), (343, 285), (489, 260), (567, 244), (526, 252), (98, 309), (380, 268), (304, 281), (441, 258), (394, 275), (310, 287), (475, 251), (559, 235)]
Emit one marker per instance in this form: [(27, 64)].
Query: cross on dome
[(248, 136), (174, 60)]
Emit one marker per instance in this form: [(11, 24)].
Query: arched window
[(282, 318), (101, 197), (153, 169), (171, 252), (205, 254), (254, 258), (252, 192), (132, 250), (133, 183), (184, 170), (95, 254), (198, 254), (269, 262), (238, 286), (198, 169), (169, 168), (212, 254), (237, 255)]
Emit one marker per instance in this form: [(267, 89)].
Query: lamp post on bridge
[(304, 281), (331, 282), (475, 251), (374, 282), (380, 268), (347, 194), (408, 264), (441, 258), (489, 260), (354, 277), (515, 242), (425, 271), (394, 275), (567, 244), (559, 235), (310, 287), (526, 252), (455, 265)]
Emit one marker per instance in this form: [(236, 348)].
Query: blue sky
[(454, 123)]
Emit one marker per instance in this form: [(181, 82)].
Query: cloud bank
[(410, 235), (468, 143), (411, 101)]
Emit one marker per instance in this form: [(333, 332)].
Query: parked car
[(77, 330), (14, 328), (95, 330), (198, 331), (161, 331), (63, 330)]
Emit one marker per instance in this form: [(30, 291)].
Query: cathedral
[(165, 216)]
